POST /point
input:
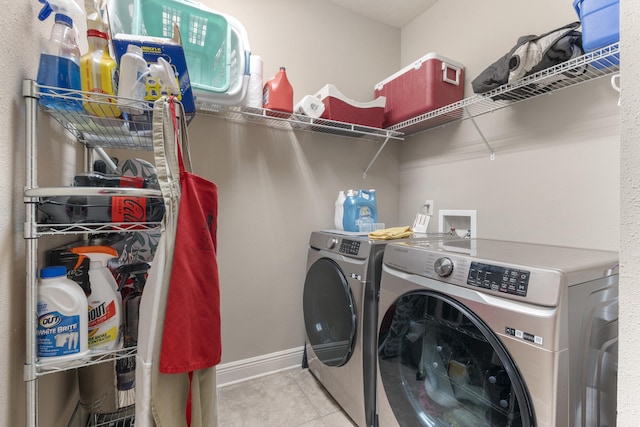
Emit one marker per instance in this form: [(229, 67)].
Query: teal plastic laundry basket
[(206, 38)]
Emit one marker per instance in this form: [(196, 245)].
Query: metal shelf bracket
[(364, 175), (492, 154)]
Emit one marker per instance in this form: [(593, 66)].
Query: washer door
[(441, 365), (329, 313)]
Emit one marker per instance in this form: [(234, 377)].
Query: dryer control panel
[(500, 279), (349, 247)]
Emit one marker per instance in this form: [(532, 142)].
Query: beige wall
[(277, 186), (555, 178), (628, 378)]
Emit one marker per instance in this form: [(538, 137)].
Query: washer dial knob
[(443, 266), (331, 243)]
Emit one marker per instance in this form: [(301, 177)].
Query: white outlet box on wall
[(463, 222)]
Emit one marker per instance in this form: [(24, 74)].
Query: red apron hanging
[(191, 337)]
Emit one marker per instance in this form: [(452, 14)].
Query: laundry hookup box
[(427, 84)]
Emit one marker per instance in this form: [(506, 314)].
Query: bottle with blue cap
[(62, 329), (59, 68)]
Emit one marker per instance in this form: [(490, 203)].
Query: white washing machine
[(340, 315), (492, 333)]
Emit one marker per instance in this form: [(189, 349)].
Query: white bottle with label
[(105, 302), (339, 211), (133, 82), (62, 331)]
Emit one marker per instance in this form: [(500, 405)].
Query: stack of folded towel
[(391, 233)]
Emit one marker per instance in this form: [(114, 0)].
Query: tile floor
[(291, 398)]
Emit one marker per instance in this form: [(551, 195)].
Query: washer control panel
[(349, 247), (500, 279)]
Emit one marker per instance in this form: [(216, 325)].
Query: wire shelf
[(123, 417), (296, 122), (593, 65), (44, 367), (93, 228), (105, 129)]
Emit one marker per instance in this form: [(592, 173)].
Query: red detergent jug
[(277, 93)]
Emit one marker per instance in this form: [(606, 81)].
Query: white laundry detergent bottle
[(62, 317), (105, 302), (339, 211)]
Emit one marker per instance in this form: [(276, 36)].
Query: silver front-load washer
[(492, 333), (340, 316)]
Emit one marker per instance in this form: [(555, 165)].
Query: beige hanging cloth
[(162, 400)]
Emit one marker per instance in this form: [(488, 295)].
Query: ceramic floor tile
[(274, 400), (318, 422), (317, 395), (338, 419)]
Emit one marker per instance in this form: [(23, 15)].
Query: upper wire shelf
[(134, 132), (287, 121), (593, 65)]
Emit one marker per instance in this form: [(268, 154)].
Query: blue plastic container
[(360, 208), (600, 24)]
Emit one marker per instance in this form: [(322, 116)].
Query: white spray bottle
[(59, 67), (105, 302)]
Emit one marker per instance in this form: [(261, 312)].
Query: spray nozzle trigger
[(45, 11), (65, 7), (163, 72)]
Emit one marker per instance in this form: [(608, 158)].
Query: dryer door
[(329, 313), (440, 365)]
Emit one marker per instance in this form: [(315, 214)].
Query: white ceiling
[(396, 13)]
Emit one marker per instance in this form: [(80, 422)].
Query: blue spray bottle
[(59, 67)]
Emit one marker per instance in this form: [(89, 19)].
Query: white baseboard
[(242, 370)]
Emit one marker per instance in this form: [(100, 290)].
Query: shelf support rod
[(364, 175), (492, 153)]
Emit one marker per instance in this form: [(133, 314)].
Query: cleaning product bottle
[(366, 210), (277, 93), (348, 212), (105, 302), (62, 317), (97, 389), (98, 76), (132, 83), (360, 208), (59, 65), (339, 211)]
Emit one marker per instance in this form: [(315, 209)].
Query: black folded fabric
[(530, 55)]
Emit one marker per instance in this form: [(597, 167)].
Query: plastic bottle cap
[(96, 33), (63, 19), (53, 271)]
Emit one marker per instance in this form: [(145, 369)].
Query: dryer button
[(331, 243)]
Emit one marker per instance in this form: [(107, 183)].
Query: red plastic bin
[(431, 82), (342, 109)]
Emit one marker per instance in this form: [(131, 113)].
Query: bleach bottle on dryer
[(59, 67), (105, 302)]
